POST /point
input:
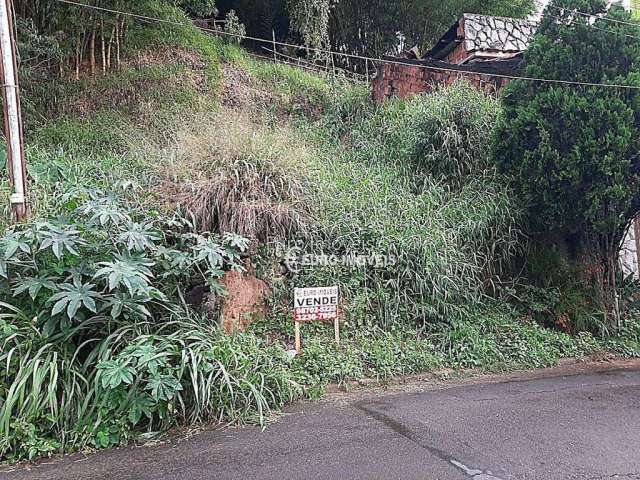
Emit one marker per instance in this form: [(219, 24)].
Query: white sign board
[(315, 304)]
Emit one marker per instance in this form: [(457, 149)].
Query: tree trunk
[(109, 48), (103, 49), (78, 60), (92, 52), (118, 33)]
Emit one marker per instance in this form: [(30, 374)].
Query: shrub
[(96, 344), (247, 181), (572, 151), (103, 261), (234, 28), (199, 8), (443, 134), (74, 389)]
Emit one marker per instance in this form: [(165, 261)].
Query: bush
[(235, 30), (96, 342), (572, 152), (495, 339), (246, 181), (443, 135), (199, 8), (71, 390), (103, 260)]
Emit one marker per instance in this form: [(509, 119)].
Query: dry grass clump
[(246, 179)]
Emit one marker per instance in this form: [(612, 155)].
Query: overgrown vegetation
[(415, 183), (572, 151), (96, 339), (131, 170)]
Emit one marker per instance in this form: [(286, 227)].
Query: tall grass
[(414, 181), (247, 180)]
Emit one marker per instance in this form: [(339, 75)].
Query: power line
[(592, 15), (461, 71), (587, 15)]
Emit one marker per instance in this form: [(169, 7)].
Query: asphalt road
[(562, 426)]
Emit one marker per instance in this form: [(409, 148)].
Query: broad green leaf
[(34, 285), (72, 297), (113, 373), (59, 239), (163, 387), (138, 237)]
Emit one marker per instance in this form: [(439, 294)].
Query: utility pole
[(12, 113)]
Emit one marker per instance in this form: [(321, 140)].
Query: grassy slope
[(157, 99), (186, 109)]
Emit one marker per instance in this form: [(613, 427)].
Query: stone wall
[(406, 80)]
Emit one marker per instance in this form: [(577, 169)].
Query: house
[(484, 49)]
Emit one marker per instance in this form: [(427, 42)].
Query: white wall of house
[(629, 253)]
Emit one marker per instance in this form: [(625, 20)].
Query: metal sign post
[(318, 304), (12, 115)]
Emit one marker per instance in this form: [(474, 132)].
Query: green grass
[(403, 179), (104, 130), (493, 340)]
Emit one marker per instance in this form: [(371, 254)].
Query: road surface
[(550, 425)]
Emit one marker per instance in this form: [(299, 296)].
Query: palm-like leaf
[(72, 297), (59, 239), (163, 387), (113, 373), (236, 242), (34, 285), (12, 243), (125, 271), (128, 306), (138, 237), (108, 215), (209, 251)]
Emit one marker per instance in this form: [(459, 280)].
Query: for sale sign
[(316, 304)]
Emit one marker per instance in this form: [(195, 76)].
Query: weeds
[(397, 189), (97, 346), (139, 379), (245, 181)]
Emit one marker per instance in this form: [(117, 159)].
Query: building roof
[(509, 67), (482, 33)]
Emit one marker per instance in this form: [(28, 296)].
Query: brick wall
[(406, 80), (458, 55)]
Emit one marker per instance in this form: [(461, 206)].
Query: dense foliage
[(96, 340), (364, 27), (199, 8), (572, 150), (414, 184), (95, 38), (97, 346), (373, 27)]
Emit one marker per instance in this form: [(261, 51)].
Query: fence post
[(333, 66), (273, 36)]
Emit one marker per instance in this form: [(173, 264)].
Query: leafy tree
[(198, 8), (371, 26), (310, 19), (573, 151), (234, 28), (260, 17)]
